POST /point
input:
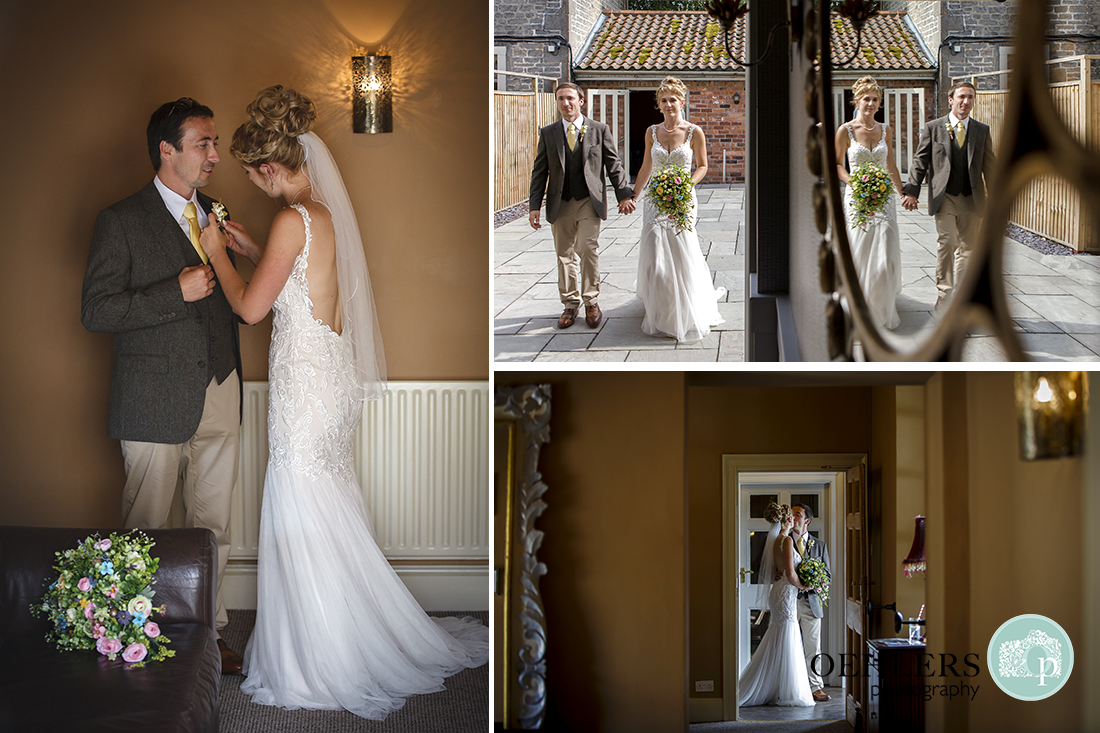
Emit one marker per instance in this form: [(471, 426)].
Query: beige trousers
[(576, 240), (957, 225), (204, 468), (811, 641)]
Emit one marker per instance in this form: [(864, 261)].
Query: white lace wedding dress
[(876, 250), (776, 674), (674, 281), (335, 627)]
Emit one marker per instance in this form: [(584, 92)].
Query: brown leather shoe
[(567, 317), (820, 696), (593, 315), (231, 663)]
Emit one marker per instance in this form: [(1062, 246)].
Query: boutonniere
[(950, 129), (809, 542), (220, 214), (584, 129)]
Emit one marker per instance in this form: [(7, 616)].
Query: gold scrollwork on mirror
[(1034, 141), (521, 428)]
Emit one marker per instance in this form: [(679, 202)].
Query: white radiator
[(422, 457)]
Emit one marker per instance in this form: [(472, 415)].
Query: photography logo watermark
[(1030, 657)]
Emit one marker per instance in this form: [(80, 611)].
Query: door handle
[(744, 573)]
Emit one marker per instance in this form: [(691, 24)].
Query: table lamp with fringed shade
[(914, 561)]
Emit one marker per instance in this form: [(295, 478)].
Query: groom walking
[(955, 152), (809, 603), (175, 400), (570, 166)]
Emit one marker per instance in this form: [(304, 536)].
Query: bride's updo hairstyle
[(673, 86), (276, 118), (777, 513), (863, 85)]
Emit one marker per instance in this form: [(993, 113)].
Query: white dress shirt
[(579, 122), (955, 121), (176, 204)]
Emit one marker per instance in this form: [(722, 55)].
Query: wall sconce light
[(372, 94), (737, 98), (914, 561), (1050, 407)]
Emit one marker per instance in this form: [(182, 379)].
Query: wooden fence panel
[(1048, 205), (517, 119)]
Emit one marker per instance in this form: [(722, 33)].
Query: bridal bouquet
[(871, 188), (813, 574), (102, 599), (670, 191)]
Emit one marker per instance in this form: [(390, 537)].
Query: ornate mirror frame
[(1035, 141), (521, 427)]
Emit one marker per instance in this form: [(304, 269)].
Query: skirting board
[(705, 709), (435, 587)]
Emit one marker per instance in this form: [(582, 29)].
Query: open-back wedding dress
[(335, 626), (776, 674)]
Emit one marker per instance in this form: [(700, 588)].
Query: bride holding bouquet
[(674, 282), (871, 202)]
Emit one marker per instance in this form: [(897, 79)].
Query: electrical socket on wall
[(704, 685)]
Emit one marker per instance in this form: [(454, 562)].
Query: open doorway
[(751, 483), (643, 114)]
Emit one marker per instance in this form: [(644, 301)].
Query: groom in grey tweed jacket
[(175, 379), (810, 610)]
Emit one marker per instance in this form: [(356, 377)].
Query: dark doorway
[(643, 113)]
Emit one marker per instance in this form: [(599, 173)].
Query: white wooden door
[(752, 532), (611, 107)]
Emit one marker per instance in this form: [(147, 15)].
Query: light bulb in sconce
[(372, 94), (1050, 408)]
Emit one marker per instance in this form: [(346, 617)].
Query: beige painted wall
[(897, 464), (80, 81), (723, 420), (1007, 540), (615, 586)]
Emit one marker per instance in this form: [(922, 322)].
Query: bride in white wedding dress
[(335, 626), (876, 248), (674, 281), (776, 674)]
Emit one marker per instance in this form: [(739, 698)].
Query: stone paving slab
[(1054, 300)]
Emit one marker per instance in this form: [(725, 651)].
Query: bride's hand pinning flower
[(213, 239)]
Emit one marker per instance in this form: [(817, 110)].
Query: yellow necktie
[(571, 136), (960, 133), (192, 218), (802, 545)]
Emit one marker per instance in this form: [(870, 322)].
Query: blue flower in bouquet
[(94, 606), (813, 574), (871, 188), (670, 191)]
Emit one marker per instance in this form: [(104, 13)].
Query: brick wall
[(711, 107)]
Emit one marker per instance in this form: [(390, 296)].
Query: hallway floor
[(825, 717), (1054, 300)]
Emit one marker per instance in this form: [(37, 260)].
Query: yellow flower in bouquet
[(813, 574), (870, 191), (670, 191)]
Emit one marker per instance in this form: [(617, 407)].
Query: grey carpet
[(463, 706)]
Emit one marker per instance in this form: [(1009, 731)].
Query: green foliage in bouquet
[(670, 191), (813, 574), (102, 599), (871, 188)]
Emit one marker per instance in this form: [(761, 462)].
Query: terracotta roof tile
[(657, 40)]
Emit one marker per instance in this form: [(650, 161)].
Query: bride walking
[(876, 242), (776, 674), (674, 282), (335, 627)]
